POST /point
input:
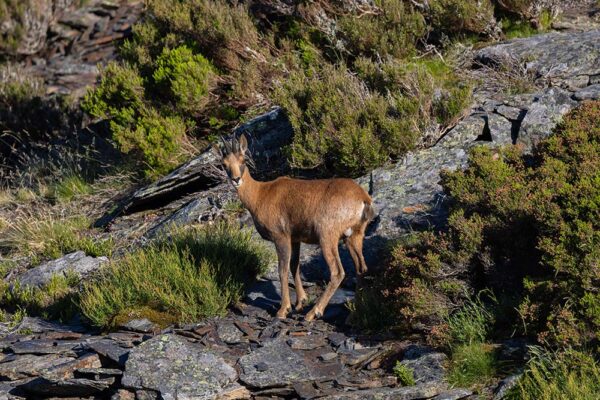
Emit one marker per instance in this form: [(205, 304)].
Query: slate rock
[(66, 370), (454, 394), (44, 347), (28, 365), (142, 325), (274, 365), (228, 332), (591, 92), (544, 114), (111, 350), (76, 262), (176, 368), (65, 388), (557, 56), (308, 342), (505, 386), (38, 325), (399, 393), (426, 364)]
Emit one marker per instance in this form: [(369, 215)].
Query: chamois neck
[(249, 191)]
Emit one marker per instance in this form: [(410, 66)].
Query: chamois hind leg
[(332, 257), (295, 266), (284, 252), (355, 247)]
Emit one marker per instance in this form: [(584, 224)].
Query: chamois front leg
[(284, 252), (300, 293)]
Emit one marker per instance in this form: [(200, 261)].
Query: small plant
[(404, 374), (472, 364), (470, 324), (565, 375), (191, 274), (69, 188)]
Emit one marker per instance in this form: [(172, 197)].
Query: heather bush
[(185, 76), (393, 32), (463, 16), (350, 125), (524, 226)]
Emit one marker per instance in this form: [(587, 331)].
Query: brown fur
[(290, 211)]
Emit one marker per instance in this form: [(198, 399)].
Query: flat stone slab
[(399, 393), (110, 349), (28, 365), (176, 368), (65, 388), (76, 262), (277, 365), (427, 366)]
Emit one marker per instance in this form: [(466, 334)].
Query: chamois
[(290, 211)]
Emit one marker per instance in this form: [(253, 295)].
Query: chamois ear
[(216, 151), (243, 144)]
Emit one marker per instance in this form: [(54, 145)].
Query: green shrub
[(404, 374), (566, 375), (394, 32), (349, 127), (525, 227), (54, 300), (187, 77), (191, 275), (456, 16), (472, 365)]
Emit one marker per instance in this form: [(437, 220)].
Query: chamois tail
[(368, 212)]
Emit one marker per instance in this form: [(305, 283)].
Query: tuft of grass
[(192, 274), (47, 236), (55, 300), (404, 374), (470, 324), (472, 365), (69, 188), (566, 375)]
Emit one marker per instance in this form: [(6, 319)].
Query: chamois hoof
[(283, 312), (300, 303), (312, 314)]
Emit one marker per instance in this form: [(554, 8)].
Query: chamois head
[(233, 156)]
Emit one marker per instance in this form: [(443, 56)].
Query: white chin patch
[(238, 183)]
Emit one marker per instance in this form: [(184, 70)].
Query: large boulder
[(566, 59), (176, 368)]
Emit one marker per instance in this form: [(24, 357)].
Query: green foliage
[(54, 300), (186, 76), (456, 16), (69, 188), (45, 236), (472, 323), (190, 275), (472, 365), (566, 375), (349, 128), (525, 227), (404, 374), (137, 127), (393, 32)]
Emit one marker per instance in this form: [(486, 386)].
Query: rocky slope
[(248, 354)]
